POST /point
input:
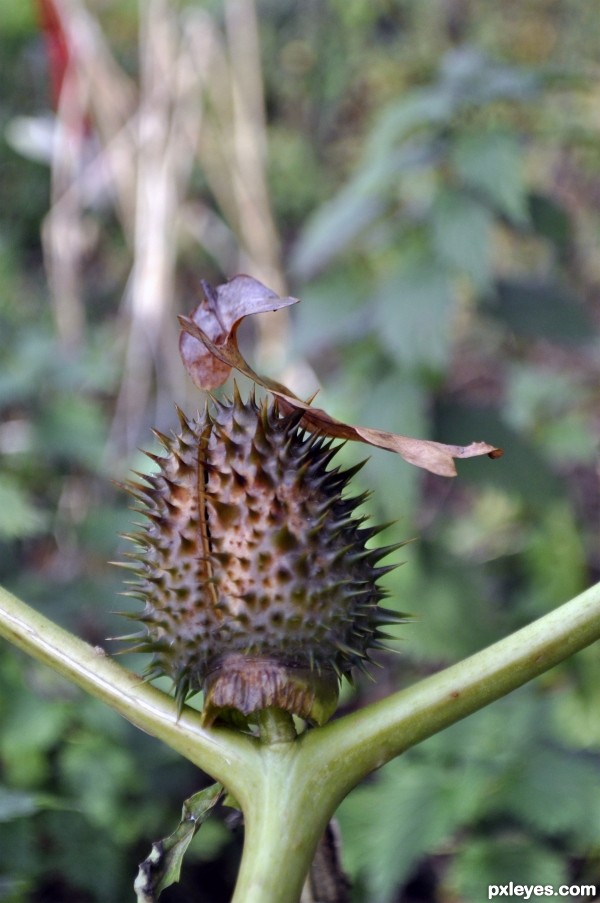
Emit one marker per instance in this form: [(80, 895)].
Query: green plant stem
[(354, 746), (289, 788), (284, 820), (304, 781), (224, 754), (276, 726)]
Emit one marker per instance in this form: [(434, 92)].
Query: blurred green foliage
[(434, 173)]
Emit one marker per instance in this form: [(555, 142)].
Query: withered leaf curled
[(210, 351), (162, 866), (217, 316)]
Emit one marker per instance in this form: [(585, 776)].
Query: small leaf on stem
[(163, 866)]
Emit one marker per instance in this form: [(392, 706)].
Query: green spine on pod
[(257, 581)]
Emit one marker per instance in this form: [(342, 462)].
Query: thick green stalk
[(224, 754), (352, 747), (289, 788), (303, 782), (276, 726), (285, 817)]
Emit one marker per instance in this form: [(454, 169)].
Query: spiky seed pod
[(258, 584)]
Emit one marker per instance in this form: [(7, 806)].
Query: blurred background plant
[(426, 177)]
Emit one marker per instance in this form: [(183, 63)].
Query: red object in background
[(57, 46)]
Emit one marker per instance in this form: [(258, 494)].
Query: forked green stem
[(284, 820), (305, 782), (290, 787)]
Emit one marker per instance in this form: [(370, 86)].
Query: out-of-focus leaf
[(570, 440), (19, 517), (25, 367), (420, 108), (453, 621), (551, 221), (16, 804), (407, 136), (13, 890), (88, 859), (470, 78), (163, 866), (498, 860), (577, 713), (572, 778), (31, 728), (540, 310), (401, 403), (498, 736), (433, 456), (552, 408), (340, 220), (371, 191), (72, 427), (414, 310), (461, 235), (466, 77), (333, 313), (98, 773), (476, 773), (414, 805), (491, 529), (509, 740), (335, 226), (17, 18), (555, 559), (535, 395), (523, 470), (491, 163)]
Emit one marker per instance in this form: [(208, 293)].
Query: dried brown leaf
[(217, 316), (209, 350)]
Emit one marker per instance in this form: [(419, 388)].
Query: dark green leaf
[(461, 235), (540, 310), (19, 517), (500, 860), (414, 311), (16, 804), (557, 792), (491, 163), (551, 221), (334, 227), (413, 807), (471, 78)]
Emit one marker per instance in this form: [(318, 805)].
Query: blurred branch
[(200, 99), (233, 155), (249, 144), (95, 101), (249, 149), (168, 122), (62, 229)]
